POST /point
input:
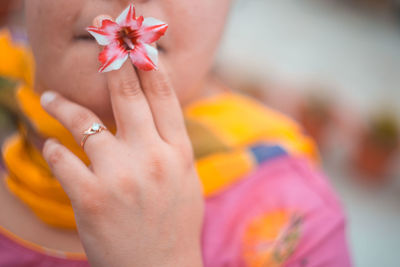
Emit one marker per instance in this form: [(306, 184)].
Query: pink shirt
[(284, 213)]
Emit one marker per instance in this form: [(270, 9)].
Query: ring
[(94, 129)]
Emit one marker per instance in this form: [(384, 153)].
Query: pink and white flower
[(129, 37)]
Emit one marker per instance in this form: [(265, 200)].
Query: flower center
[(128, 38)]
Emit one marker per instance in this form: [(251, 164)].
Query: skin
[(58, 38), (4, 9), (148, 213), (144, 214)]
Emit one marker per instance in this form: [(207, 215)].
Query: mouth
[(84, 37)]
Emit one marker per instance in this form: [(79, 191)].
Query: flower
[(129, 37)]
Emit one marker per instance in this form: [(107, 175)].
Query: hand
[(140, 202)]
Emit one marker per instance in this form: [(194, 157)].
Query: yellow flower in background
[(16, 61)]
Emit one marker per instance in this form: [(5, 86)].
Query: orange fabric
[(270, 239), (16, 60)]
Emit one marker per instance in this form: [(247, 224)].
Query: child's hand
[(140, 203)]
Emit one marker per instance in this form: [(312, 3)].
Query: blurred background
[(334, 66)]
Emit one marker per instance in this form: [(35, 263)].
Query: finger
[(99, 19), (164, 104), (70, 171), (77, 120), (132, 113)]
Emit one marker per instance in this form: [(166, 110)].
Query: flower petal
[(152, 53), (152, 29), (127, 16), (137, 23), (144, 57), (106, 33), (112, 57)]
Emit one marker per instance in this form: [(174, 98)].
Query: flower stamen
[(128, 38), (128, 42)]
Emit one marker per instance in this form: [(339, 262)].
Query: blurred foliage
[(7, 94), (8, 107), (318, 107), (384, 130)]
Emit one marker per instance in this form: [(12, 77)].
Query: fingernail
[(98, 21), (47, 97), (51, 141)]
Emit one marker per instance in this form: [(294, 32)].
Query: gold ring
[(94, 129)]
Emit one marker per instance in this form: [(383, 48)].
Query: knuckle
[(54, 154), (161, 88), (126, 184), (184, 152), (156, 167), (92, 201), (129, 88), (90, 206), (155, 164), (81, 120), (187, 156)]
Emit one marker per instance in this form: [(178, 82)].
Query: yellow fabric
[(249, 122), (223, 169), (221, 129)]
